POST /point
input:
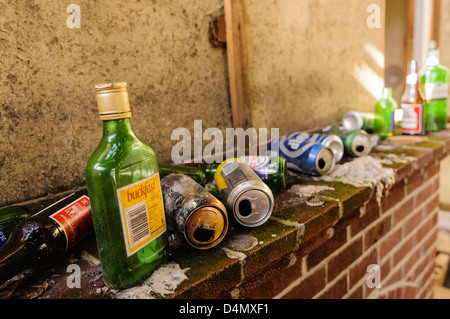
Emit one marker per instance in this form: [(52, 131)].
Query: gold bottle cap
[(112, 101)]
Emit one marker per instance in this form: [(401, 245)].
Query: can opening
[(245, 208), (321, 163), (360, 148), (204, 234)]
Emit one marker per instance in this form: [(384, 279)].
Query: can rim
[(239, 190)]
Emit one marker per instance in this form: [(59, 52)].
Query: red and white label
[(75, 219), (412, 118)]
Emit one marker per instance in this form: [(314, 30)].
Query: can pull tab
[(204, 233), (246, 208)]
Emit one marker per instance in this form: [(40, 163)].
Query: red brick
[(423, 195), (327, 248), (414, 181), (425, 229), (412, 260), (396, 194), (377, 231), (309, 286), (388, 243), (370, 215), (337, 290), (431, 170), (403, 211), (396, 276), (412, 223), (359, 270), (340, 262), (357, 294), (404, 249)]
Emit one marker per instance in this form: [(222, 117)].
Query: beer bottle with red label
[(412, 103), (42, 239)]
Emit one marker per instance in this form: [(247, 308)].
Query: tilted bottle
[(124, 187), (384, 124), (42, 239), (412, 103), (434, 88), (195, 173)]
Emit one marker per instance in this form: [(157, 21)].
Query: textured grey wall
[(312, 61), (49, 121)]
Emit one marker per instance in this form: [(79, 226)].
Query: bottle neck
[(387, 93), (117, 128)]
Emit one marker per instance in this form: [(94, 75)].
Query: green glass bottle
[(384, 124), (195, 173), (434, 88), (271, 170), (9, 218), (125, 192)]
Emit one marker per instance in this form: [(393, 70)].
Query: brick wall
[(398, 235)]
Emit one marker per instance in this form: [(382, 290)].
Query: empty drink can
[(195, 214), (248, 198), (355, 120), (357, 143), (311, 158), (334, 142)]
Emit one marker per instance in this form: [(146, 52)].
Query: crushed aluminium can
[(244, 193), (332, 141), (357, 143), (355, 120), (311, 158), (195, 214)]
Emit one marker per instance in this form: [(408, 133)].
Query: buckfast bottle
[(412, 103), (124, 187)]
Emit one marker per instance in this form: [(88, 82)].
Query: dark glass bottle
[(42, 239), (124, 188)]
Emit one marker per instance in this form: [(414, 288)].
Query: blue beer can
[(311, 158), (332, 141)]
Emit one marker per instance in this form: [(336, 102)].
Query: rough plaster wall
[(49, 121), (310, 61), (444, 35), (395, 72), (444, 46)]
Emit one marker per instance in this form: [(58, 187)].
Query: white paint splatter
[(163, 281), (362, 172), (308, 190), (234, 254)]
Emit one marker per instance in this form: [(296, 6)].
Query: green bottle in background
[(434, 90), (384, 124), (124, 188)]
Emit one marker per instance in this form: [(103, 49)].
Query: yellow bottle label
[(142, 213), (226, 168)]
